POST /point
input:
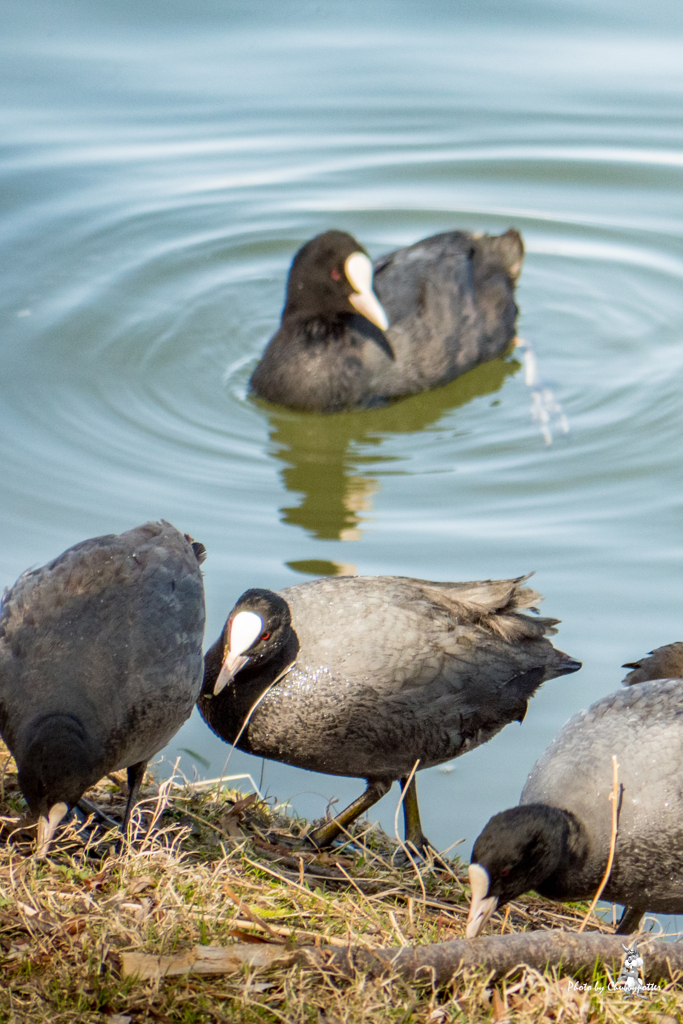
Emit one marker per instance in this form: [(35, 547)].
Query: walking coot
[(364, 676)]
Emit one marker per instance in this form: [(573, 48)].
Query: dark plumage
[(449, 302), (361, 676), (663, 663), (557, 841), (100, 663)]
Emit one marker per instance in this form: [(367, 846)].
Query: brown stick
[(437, 963), (614, 797), (433, 964)]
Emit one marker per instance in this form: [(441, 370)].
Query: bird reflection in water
[(327, 458)]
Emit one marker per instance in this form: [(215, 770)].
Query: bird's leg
[(411, 816), (630, 920), (136, 774), (325, 834)]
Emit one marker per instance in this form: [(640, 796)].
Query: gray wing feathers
[(399, 669), (400, 631), (450, 301), (617, 724), (642, 727)]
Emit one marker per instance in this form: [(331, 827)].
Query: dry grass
[(218, 870)]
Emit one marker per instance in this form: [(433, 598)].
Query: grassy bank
[(220, 870)]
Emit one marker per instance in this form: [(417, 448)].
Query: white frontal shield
[(482, 905), (358, 270), (245, 628)]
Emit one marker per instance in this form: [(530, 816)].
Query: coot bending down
[(557, 840), (363, 676), (438, 308), (100, 663)]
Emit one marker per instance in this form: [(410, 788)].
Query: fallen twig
[(438, 962), (435, 963), (201, 960)]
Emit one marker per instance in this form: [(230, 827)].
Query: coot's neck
[(570, 839), (314, 327), (227, 712)]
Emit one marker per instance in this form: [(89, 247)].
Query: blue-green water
[(159, 165)]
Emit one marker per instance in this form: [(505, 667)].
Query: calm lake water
[(160, 164)]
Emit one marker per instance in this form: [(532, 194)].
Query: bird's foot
[(87, 809), (413, 849), (324, 835)]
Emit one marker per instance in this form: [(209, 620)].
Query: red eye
[(264, 636), (335, 275), (505, 872)]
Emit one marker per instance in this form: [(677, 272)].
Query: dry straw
[(230, 918), (614, 797)]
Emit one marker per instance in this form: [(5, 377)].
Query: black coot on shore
[(100, 663), (438, 308), (557, 840), (363, 676)]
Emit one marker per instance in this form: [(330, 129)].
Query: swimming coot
[(100, 663), (557, 840), (438, 308), (363, 676)]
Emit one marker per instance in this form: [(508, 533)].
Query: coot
[(363, 676), (557, 840), (663, 663), (100, 663), (438, 308)]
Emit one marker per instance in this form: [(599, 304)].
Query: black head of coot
[(257, 631), (331, 279), (519, 849)]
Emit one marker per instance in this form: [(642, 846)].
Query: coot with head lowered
[(438, 308), (364, 676), (100, 663), (557, 840)]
